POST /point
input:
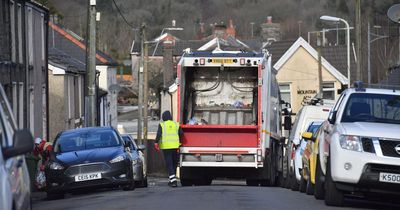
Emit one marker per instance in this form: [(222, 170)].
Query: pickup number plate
[(390, 178), (86, 177)]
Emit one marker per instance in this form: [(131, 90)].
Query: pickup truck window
[(379, 108)]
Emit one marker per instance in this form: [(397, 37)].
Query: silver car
[(138, 160), (14, 178)]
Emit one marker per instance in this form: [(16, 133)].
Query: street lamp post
[(369, 49), (336, 19)]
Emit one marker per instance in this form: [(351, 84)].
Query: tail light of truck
[(202, 61), (259, 155), (242, 61)]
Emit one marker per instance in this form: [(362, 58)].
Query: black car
[(138, 160), (88, 157)]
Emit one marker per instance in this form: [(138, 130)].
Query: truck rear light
[(259, 155), (242, 61), (202, 61)]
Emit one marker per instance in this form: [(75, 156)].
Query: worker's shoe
[(173, 184)]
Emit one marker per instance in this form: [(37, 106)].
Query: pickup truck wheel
[(333, 196), (319, 191)]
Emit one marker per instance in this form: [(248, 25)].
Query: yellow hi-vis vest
[(170, 135)]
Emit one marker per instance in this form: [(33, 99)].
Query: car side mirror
[(332, 117), (308, 136), (141, 147), (128, 144), (23, 143)]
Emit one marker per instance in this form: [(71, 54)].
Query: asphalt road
[(228, 195)]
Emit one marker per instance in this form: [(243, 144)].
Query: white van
[(14, 178), (306, 115)]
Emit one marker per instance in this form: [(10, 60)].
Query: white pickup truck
[(359, 149)]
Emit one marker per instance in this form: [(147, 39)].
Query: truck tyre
[(319, 191), (251, 182), (333, 196), (303, 184), (186, 182)]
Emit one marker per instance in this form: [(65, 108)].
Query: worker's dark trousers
[(171, 157)]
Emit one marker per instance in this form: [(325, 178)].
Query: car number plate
[(389, 177), (86, 177)]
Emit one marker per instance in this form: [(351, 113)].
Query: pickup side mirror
[(332, 117), (308, 136), (287, 123), (23, 143), (141, 147)]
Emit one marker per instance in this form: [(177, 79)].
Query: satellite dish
[(394, 13)]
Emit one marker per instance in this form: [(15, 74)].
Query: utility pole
[(320, 88), (91, 66), (145, 85), (140, 82), (358, 38), (369, 54)]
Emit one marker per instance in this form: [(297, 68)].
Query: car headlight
[(117, 159), (350, 142), (56, 166)]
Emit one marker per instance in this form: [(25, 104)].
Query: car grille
[(89, 168), (388, 147), (367, 145), (382, 168)]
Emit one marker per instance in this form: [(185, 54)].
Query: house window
[(19, 15), (21, 105), (285, 93), (12, 24), (14, 99), (30, 36), (328, 88)]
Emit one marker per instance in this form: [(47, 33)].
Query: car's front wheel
[(55, 196), (319, 191), (333, 196)]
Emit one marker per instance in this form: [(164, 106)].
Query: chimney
[(173, 23), (270, 30), (200, 33), (269, 20), (219, 30), (231, 29), (168, 70)]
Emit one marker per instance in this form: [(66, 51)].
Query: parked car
[(15, 184), (306, 115), (138, 160), (359, 148), (307, 153), (88, 157)]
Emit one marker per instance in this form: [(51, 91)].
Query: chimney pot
[(269, 19)]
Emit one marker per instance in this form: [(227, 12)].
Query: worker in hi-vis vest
[(168, 139)]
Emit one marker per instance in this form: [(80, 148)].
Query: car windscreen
[(379, 108), (75, 141)]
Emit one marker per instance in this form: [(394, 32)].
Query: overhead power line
[(123, 17)]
